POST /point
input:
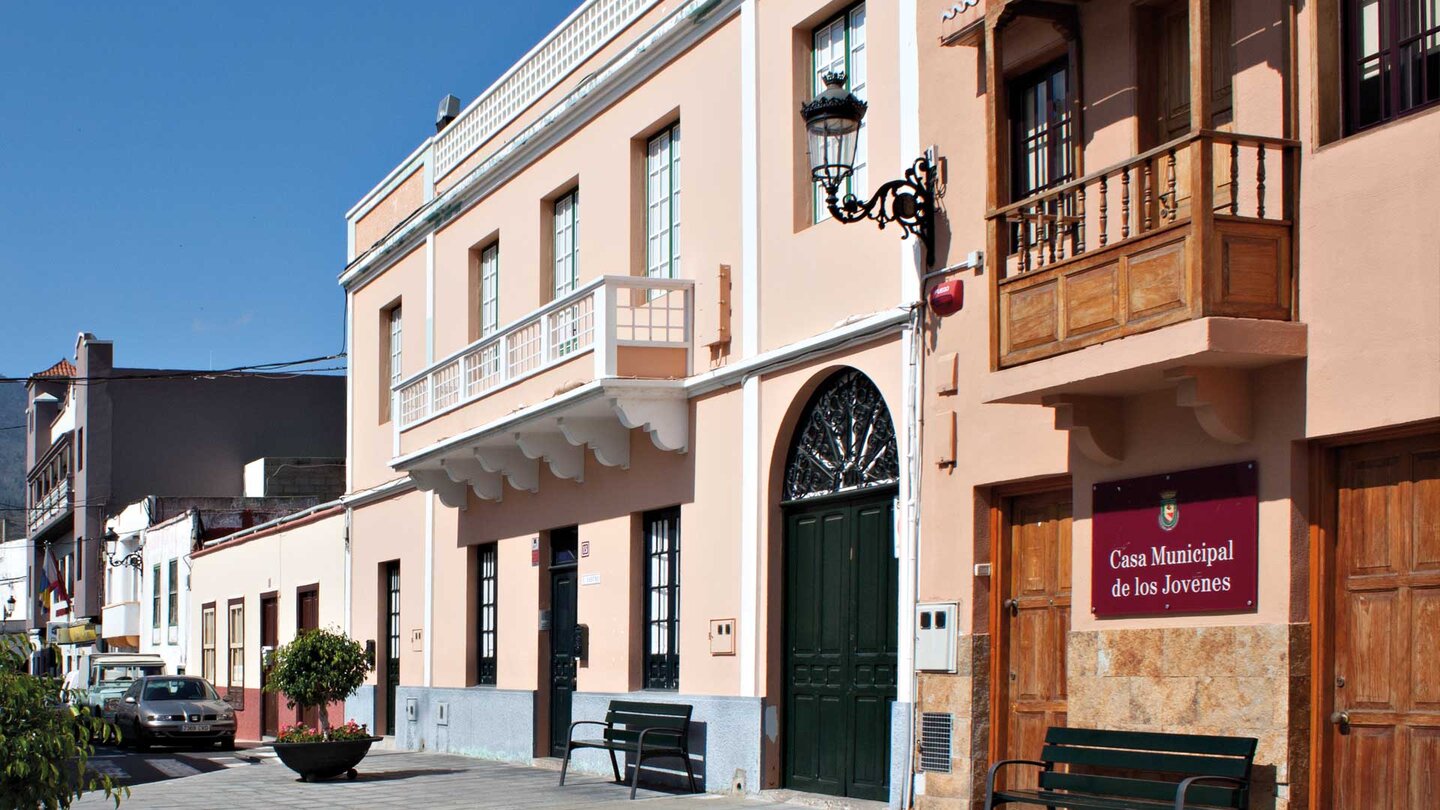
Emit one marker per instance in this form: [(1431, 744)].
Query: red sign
[(1182, 542)]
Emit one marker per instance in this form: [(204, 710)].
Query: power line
[(256, 370)]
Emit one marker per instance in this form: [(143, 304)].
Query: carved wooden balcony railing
[(1132, 248)]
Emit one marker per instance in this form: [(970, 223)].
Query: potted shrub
[(318, 668)]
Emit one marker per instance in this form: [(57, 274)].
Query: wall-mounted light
[(112, 551), (832, 122)]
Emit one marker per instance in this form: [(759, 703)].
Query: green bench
[(646, 730), (1095, 769)]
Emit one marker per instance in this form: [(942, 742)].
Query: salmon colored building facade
[(631, 415)]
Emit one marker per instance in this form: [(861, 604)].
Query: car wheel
[(140, 741), (227, 744)]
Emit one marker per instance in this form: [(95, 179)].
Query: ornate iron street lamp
[(112, 547), (832, 121)]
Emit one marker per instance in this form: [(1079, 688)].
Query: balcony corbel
[(438, 481), (666, 419), (486, 485), (566, 460), (1220, 398), (1096, 425), (521, 471), (609, 440)]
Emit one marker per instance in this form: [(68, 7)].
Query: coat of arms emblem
[(1169, 510)]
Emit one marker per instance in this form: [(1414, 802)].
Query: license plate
[(195, 727)]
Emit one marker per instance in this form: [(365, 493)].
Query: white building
[(14, 583)]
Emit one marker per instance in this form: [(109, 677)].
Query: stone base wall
[(479, 721), (1250, 681)]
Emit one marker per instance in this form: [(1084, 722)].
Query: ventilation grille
[(935, 728)]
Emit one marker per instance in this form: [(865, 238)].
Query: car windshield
[(178, 689), (124, 673)]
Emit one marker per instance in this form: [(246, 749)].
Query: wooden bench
[(1132, 770), (647, 730)]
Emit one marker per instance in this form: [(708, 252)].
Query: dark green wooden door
[(562, 657), (841, 646)]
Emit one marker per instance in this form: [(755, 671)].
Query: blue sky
[(174, 175)]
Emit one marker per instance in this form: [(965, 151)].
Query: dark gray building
[(100, 437)]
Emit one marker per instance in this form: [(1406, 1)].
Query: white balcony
[(577, 374), (120, 620), (606, 317)]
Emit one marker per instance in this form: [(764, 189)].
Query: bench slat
[(638, 722), (1135, 760), (1154, 741), (1080, 801), (1215, 795), (658, 709)]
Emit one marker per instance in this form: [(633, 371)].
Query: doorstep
[(821, 800)]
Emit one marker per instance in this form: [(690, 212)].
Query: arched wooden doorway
[(841, 581)]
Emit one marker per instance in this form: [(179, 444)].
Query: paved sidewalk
[(406, 779)]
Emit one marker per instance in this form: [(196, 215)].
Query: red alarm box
[(947, 297)]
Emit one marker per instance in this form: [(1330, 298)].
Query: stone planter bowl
[(324, 760)]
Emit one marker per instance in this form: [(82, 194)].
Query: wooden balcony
[(1133, 248)]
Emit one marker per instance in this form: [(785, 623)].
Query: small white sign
[(590, 579)]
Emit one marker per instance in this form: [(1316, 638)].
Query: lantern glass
[(832, 152)]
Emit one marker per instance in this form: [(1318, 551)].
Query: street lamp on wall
[(112, 551), (9, 607), (832, 124)]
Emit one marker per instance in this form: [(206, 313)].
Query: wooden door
[(841, 647), (269, 640), (1386, 724), (1036, 613), (307, 617)]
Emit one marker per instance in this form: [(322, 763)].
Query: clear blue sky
[(174, 175)]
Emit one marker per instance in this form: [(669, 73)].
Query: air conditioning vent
[(935, 731)]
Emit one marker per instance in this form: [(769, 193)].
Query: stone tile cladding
[(1243, 680)]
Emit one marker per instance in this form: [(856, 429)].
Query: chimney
[(449, 111)]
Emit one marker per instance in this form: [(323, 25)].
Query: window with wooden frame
[(1391, 59), (838, 46), (566, 240), (392, 356), (155, 597), (662, 598), (662, 204), (172, 607), (488, 621), (235, 627), (207, 642), (490, 290)]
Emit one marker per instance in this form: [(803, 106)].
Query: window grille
[(489, 599), (1392, 50), (935, 739), (662, 599)]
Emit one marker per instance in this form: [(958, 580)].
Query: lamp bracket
[(909, 201)]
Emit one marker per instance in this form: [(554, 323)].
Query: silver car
[(174, 709)]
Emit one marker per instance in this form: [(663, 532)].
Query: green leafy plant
[(318, 668), (46, 738)]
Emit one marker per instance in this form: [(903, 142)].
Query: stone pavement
[(418, 781)]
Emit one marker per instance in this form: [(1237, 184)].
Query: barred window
[(662, 599), (488, 619)]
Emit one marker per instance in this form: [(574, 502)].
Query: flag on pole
[(57, 584)]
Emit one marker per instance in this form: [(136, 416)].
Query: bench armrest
[(1184, 787), (577, 723), (994, 769)]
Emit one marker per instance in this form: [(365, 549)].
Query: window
[(392, 351), (80, 449), (838, 46), (490, 290), (1043, 137), (174, 606), (237, 643), (662, 599), (567, 244), (207, 642), (155, 597), (489, 598), (662, 204), (1392, 59)]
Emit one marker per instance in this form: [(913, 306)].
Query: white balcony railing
[(615, 311), (55, 502)]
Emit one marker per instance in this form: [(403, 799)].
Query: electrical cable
[(257, 369)]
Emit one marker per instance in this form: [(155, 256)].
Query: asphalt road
[(129, 767)]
